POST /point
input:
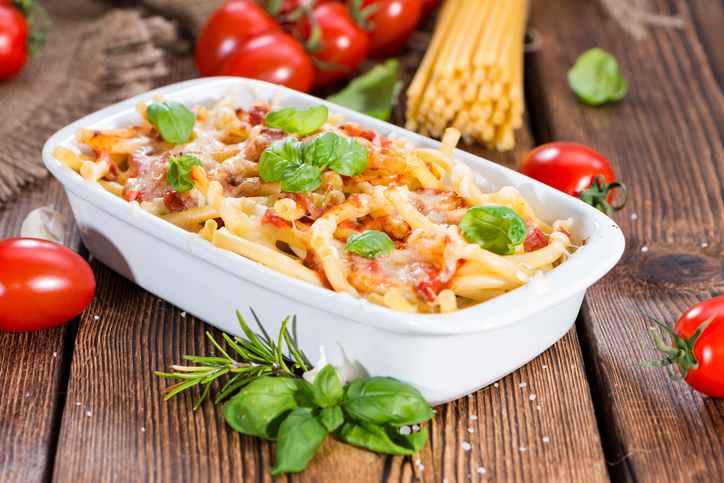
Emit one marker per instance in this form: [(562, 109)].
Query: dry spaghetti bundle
[(471, 77)]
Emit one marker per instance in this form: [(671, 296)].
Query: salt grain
[(89, 414), (471, 430), (434, 411), (418, 461), (634, 216), (416, 428), (444, 480), (183, 314), (482, 470), (538, 408), (473, 417), (495, 385), (544, 367), (421, 467), (704, 245), (77, 403), (405, 430), (55, 354), (466, 446), (644, 249), (143, 430), (546, 439), (522, 384), (27, 395), (522, 449), (470, 396), (96, 317), (532, 397)]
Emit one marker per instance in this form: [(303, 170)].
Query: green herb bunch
[(274, 402)]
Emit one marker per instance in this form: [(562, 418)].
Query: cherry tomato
[(228, 27), (13, 42), (42, 284), (708, 347), (273, 57), (392, 24), (343, 43), (428, 6)]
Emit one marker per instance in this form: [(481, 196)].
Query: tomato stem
[(38, 22), (597, 195), (681, 354)]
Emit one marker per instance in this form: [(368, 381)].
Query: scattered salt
[(471, 430), (532, 397), (89, 414), (77, 403), (470, 395), (544, 367), (473, 417), (416, 427), (434, 411), (482, 470), (496, 384), (522, 449), (538, 408), (466, 446), (634, 216), (55, 354), (644, 249), (546, 439), (421, 467), (405, 430), (183, 314), (418, 461), (704, 245), (143, 430), (96, 317), (522, 384), (444, 480), (27, 395)]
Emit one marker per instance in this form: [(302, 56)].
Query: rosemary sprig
[(258, 359)]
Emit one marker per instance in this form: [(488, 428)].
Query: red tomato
[(42, 284), (228, 27), (392, 25), (273, 57), (344, 44), (708, 348), (13, 42), (428, 6)]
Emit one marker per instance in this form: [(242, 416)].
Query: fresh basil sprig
[(596, 78), (373, 93), (370, 244), (382, 439), (178, 171), (495, 228), (174, 121), (299, 121), (299, 167)]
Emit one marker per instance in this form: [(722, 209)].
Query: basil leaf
[(300, 436), (350, 158), (373, 93), (300, 121), (327, 388), (370, 244), (174, 121), (596, 78), (304, 178), (382, 400), (280, 158), (178, 171), (382, 439), (344, 155), (261, 406), (495, 228), (332, 417)]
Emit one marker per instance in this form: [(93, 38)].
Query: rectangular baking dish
[(445, 356)]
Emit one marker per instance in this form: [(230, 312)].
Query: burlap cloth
[(98, 53)]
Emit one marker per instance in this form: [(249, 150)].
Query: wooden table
[(81, 403)]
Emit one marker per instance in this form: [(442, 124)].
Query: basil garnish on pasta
[(495, 228), (178, 171), (299, 167), (370, 244), (299, 121), (174, 121)]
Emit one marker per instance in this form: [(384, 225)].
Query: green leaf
[(323, 149), (300, 436), (327, 387), (260, 407), (281, 158), (382, 439), (385, 401), (495, 228), (178, 171), (370, 244), (174, 121), (374, 93), (596, 78), (332, 417), (351, 158), (300, 121), (304, 178)]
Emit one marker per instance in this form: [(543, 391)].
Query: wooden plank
[(665, 142), (132, 435), (33, 367)]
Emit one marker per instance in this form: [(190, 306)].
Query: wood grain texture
[(33, 366), (665, 141)]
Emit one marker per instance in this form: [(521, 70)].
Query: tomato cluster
[(304, 43)]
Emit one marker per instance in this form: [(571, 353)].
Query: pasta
[(413, 197), (471, 77)]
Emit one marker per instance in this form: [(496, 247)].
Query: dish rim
[(578, 273)]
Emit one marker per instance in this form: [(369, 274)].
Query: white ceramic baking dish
[(445, 356)]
